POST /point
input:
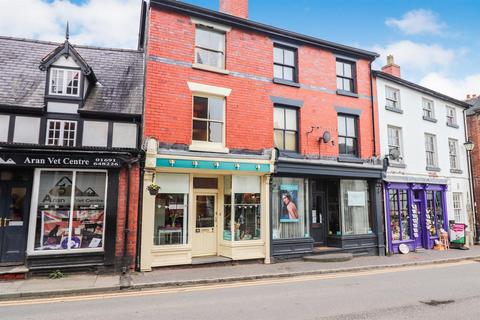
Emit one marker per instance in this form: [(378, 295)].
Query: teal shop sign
[(212, 165)]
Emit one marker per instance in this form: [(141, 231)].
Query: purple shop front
[(416, 213)]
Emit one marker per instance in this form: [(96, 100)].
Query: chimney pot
[(237, 8), (391, 68)]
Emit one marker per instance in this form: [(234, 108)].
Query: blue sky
[(435, 42)]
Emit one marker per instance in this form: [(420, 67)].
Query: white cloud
[(110, 23), (454, 87), (419, 57), (418, 21)]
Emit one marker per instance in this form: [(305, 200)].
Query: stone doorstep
[(210, 260), (13, 272), (331, 257)]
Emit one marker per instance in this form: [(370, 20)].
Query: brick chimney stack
[(237, 8), (391, 67)]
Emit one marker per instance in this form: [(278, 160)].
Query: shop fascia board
[(330, 163), (214, 166), (415, 179)]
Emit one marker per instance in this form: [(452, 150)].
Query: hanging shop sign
[(61, 161)]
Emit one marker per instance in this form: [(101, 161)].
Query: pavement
[(200, 275), (427, 292)]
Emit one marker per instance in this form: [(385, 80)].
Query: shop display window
[(355, 207), (439, 210), (430, 214), (289, 199), (399, 214), (247, 216), (170, 219), (70, 210), (244, 205)]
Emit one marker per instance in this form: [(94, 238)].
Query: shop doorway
[(204, 238), (418, 220), (14, 208), (318, 226)]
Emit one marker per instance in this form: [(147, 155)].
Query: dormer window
[(64, 82)]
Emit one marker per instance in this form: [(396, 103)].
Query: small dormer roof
[(68, 51)]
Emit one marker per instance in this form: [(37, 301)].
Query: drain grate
[(435, 303)]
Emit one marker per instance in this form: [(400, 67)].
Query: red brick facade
[(132, 214), (249, 109), (473, 125)]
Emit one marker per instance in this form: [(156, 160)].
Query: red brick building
[(223, 92), (473, 126)]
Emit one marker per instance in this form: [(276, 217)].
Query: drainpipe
[(126, 230), (372, 100), (471, 183), (140, 211)]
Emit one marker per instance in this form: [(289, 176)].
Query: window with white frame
[(453, 153), (428, 111), (458, 211), (208, 119), (431, 150), (61, 133), (210, 47), (69, 212), (451, 116), (395, 141), (64, 82), (392, 97)]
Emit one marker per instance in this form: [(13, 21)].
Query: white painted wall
[(413, 132)]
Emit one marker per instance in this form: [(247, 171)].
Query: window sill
[(347, 93), (430, 119), (453, 125), (286, 82), (397, 165), (435, 169), (349, 159), (63, 97), (457, 171), (209, 68), (208, 148), (397, 110)]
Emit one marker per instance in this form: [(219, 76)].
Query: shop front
[(416, 214), (205, 208), (320, 207), (59, 209)]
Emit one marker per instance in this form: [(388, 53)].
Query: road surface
[(448, 291)]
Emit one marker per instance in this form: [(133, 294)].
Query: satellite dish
[(326, 136), (394, 154)]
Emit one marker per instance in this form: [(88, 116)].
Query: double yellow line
[(151, 292)]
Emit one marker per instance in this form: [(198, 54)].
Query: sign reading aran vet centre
[(54, 160)]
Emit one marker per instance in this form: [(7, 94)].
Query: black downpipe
[(373, 112), (140, 214), (126, 230)]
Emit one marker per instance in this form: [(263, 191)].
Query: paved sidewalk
[(167, 277)]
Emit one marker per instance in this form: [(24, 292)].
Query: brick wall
[(249, 110), (132, 218)]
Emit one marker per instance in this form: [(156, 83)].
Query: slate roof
[(119, 73), (475, 108)]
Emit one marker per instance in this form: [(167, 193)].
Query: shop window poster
[(289, 201)]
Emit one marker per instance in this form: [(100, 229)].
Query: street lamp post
[(469, 146)]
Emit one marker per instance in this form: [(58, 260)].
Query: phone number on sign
[(106, 162)]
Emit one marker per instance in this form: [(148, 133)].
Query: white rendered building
[(422, 136)]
